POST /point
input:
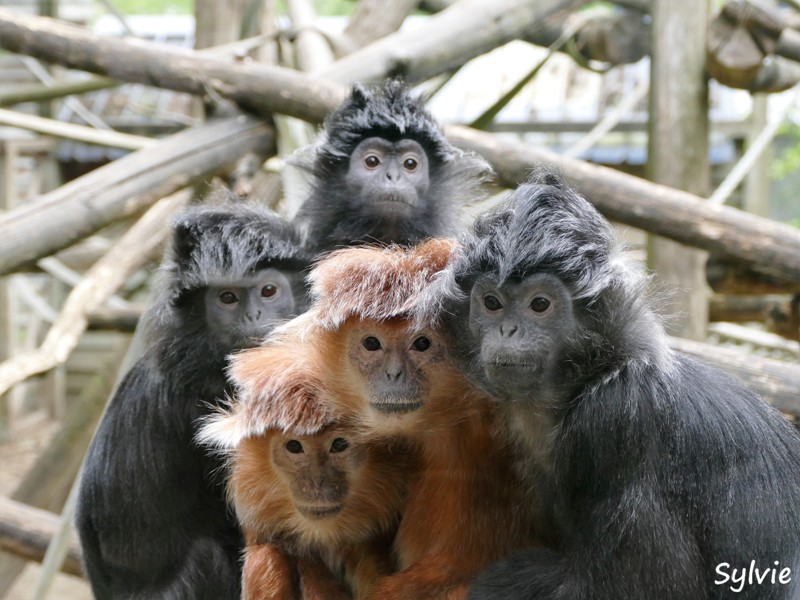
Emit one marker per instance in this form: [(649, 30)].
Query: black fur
[(393, 113), (152, 518), (653, 469)]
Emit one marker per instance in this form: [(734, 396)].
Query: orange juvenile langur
[(312, 495), (395, 378)]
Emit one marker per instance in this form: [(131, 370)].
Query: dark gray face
[(521, 328), (388, 178), (241, 313)]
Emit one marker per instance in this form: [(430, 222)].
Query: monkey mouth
[(397, 408), (319, 512), (393, 201)]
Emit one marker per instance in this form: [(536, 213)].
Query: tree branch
[(26, 531), (125, 187), (99, 283), (744, 238)]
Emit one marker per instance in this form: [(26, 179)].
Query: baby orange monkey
[(314, 497)]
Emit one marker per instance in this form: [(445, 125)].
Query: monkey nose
[(394, 374), (508, 329)]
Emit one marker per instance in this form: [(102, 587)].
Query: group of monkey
[(495, 416)]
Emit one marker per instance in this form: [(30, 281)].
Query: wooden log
[(373, 19), (774, 380), (616, 37), (115, 319), (70, 131), (727, 277), (741, 37), (312, 51), (447, 40), (100, 282), (678, 215), (125, 187), (26, 531), (742, 309), (678, 151), (48, 482), (39, 92), (260, 88), (741, 237)]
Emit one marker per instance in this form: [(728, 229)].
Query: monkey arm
[(268, 574), (422, 581), (366, 564)]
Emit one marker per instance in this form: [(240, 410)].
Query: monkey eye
[(540, 304), (410, 164), (294, 447), (492, 302), (339, 445), (228, 297), (372, 161), (371, 343), (421, 343), (269, 290)]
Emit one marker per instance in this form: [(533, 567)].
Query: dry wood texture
[(26, 531)]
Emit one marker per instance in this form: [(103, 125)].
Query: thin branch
[(75, 132), (99, 283), (753, 153), (486, 118), (610, 120)]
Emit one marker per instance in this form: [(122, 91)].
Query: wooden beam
[(125, 187), (678, 150), (678, 215), (776, 381), (26, 531)]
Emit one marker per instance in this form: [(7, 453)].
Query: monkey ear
[(184, 238), (360, 96)]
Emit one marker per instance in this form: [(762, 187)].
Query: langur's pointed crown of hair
[(389, 111), (226, 242), (375, 283), (545, 227)]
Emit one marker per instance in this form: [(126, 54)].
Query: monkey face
[(388, 179), (240, 313), (520, 328), (318, 469), (393, 364)]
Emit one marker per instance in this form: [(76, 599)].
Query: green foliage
[(186, 7), (789, 161), (324, 8), (155, 7)]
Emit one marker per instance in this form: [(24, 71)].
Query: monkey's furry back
[(390, 111)]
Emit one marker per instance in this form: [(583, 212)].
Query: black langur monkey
[(653, 476), (152, 517), (384, 172)]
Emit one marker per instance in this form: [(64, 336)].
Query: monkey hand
[(422, 581), (365, 565)]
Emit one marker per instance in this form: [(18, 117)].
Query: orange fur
[(462, 510), (268, 573), (280, 399), (374, 283)]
